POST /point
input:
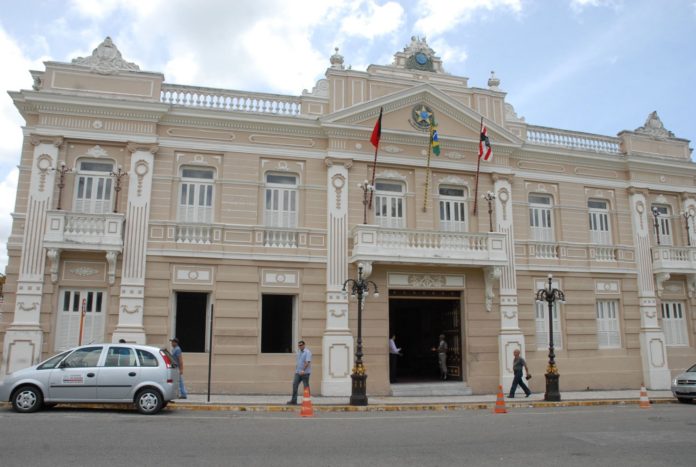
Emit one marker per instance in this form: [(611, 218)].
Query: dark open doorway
[(191, 320), (417, 320)]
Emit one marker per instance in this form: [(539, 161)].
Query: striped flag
[(377, 131), (434, 137), (485, 150)]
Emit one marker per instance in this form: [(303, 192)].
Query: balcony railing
[(229, 100), (574, 254), (573, 140), (672, 259), (80, 231), (387, 245)]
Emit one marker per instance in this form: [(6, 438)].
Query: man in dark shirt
[(517, 364)]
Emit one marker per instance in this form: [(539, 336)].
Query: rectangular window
[(196, 195), (664, 224), (93, 194), (277, 323), (80, 308), (191, 322), (600, 234), (452, 210), (540, 219), (674, 324), (280, 208), (389, 205), (608, 334)]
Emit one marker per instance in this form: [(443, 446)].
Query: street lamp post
[(687, 215), (61, 182), (367, 189), (490, 196), (117, 175), (551, 295), (656, 224), (359, 288)]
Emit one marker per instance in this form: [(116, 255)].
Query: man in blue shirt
[(179, 360), (303, 368)]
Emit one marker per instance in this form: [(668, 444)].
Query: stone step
[(443, 388)]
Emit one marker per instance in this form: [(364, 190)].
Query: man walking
[(517, 364), (179, 360), (303, 368), (394, 353), (442, 357)]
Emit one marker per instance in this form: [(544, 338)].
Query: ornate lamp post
[(359, 288), (687, 215), (61, 181), (490, 196), (550, 296), (367, 189), (117, 175), (656, 224)]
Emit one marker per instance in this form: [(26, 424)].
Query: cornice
[(309, 128)]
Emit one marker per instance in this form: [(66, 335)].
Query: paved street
[(560, 436)]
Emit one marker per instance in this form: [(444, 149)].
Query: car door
[(118, 375), (75, 379)]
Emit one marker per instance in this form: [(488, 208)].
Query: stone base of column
[(21, 348), (656, 374), (337, 363)]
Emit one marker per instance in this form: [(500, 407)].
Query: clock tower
[(418, 56)]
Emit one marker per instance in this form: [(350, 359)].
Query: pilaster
[(337, 342), (656, 374), (24, 339), (132, 292)]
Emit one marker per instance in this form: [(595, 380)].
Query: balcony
[(80, 231), (674, 260), (567, 254), (387, 245)]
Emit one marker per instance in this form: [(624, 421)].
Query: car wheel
[(148, 401), (684, 400), (27, 399)]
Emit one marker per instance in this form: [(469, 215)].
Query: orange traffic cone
[(307, 410), (500, 402), (644, 401)]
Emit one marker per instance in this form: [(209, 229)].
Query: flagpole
[(478, 167), (374, 171), (374, 139), (427, 171)]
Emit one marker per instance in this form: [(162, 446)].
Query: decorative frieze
[(280, 278), (189, 274)]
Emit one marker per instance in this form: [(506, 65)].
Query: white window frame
[(664, 223), (94, 189), (600, 228), (281, 200), (674, 323), (608, 329), (196, 195), (453, 208), (69, 313), (542, 324), (541, 217), (390, 204)]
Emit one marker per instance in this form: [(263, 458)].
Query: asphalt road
[(614, 436)]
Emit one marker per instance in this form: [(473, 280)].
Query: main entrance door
[(417, 318)]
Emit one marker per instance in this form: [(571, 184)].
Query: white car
[(119, 373), (684, 386)]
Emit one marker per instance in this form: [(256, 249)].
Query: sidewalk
[(275, 403)]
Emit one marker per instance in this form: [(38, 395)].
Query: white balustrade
[(545, 250), (280, 238), (573, 140), (229, 100), (195, 234), (604, 253), (67, 230)]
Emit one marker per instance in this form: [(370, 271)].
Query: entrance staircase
[(439, 388)]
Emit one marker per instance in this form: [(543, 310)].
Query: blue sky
[(599, 66)]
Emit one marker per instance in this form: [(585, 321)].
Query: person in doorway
[(517, 364), (394, 353), (303, 368), (442, 357), (179, 360)]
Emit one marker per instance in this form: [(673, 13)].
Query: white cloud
[(443, 15), (449, 53), (8, 190), (370, 20), (579, 5)]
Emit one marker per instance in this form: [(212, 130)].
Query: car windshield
[(53, 361), (692, 369)]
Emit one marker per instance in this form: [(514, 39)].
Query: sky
[(598, 66)]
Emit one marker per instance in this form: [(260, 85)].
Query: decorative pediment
[(653, 127), (106, 59)]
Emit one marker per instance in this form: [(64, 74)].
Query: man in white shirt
[(394, 353)]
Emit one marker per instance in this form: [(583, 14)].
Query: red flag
[(377, 132), (484, 141)]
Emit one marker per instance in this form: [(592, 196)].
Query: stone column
[(656, 374), (132, 296), (23, 341), (510, 336), (337, 342)]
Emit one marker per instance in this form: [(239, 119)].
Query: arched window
[(94, 187), (540, 217), (196, 195), (600, 232), (389, 204), (280, 209), (453, 209)]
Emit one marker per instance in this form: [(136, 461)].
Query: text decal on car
[(73, 379)]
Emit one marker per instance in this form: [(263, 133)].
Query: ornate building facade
[(232, 219)]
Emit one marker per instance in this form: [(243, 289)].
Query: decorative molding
[(111, 257), (660, 280), (454, 155), (453, 180), (84, 271), (653, 127), (44, 163), (390, 175), (338, 181), (338, 313), (22, 306), (426, 281), (392, 149), (491, 274), (141, 169), (130, 311), (54, 261), (106, 59), (331, 161), (97, 152)]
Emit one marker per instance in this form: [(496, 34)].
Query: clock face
[(421, 58)]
